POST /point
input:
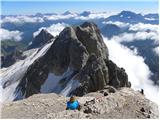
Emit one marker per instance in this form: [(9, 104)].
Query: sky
[(12, 7)]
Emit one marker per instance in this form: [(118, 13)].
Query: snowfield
[(11, 76)]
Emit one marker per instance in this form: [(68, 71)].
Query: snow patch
[(72, 85), (15, 73), (52, 82)]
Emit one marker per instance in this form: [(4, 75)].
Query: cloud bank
[(138, 31), (119, 24), (128, 37), (138, 72), (60, 16), (22, 19), (144, 27), (10, 35)]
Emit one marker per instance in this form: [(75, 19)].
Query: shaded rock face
[(94, 76), (10, 59), (81, 50), (42, 38), (117, 76)]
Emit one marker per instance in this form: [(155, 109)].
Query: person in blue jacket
[(73, 104)]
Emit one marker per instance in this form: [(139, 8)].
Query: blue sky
[(48, 6)]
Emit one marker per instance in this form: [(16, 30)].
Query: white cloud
[(144, 27), (10, 35), (156, 50), (95, 15), (92, 15), (59, 16), (119, 24), (142, 35), (54, 29), (22, 19), (138, 72), (141, 31)]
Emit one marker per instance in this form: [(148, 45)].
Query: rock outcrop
[(13, 57), (118, 104), (77, 54), (42, 38)]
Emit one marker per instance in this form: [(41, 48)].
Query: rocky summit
[(76, 63), (107, 103)]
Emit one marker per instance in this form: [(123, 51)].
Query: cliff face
[(106, 103), (76, 63)]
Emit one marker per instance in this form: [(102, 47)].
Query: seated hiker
[(73, 104)]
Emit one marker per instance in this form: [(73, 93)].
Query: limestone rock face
[(77, 54), (117, 76), (122, 104), (93, 76)]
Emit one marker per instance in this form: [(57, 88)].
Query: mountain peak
[(76, 60), (127, 17), (43, 31), (42, 38), (128, 13), (67, 13), (85, 13)]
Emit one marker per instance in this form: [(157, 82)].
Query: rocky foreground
[(106, 103)]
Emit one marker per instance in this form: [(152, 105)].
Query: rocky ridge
[(106, 103)]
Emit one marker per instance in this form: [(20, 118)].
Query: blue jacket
[(73, 106)]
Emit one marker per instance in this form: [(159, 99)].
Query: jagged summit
[(42, 38), (76, 63)]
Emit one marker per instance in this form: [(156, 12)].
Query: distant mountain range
[(133, 18), (28, 28)]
